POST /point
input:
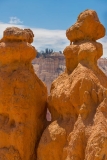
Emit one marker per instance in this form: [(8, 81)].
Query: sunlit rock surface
[(22, 97), (77, 99)]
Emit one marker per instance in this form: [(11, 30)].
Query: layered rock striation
[(102, 63), (78, 98), (22, 97), (49, 68)]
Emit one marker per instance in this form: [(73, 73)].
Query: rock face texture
[(22, 97), (78, 99), (49, 68), (102, 63), (87, 27)]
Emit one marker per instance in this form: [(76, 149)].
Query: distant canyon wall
[(49, 68)]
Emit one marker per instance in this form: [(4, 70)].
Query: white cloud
[(15, 20), (44, 38), (52, 39)]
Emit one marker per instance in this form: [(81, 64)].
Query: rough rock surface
[(78, 99), (22, 97), (17, 34), (87, 27), (48, 70)]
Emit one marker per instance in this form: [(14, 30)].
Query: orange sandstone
[(71, 54), (87, 27), (76, 98), (22, 97)]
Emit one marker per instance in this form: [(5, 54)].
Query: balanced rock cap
[(15, 46), (17, 34), (87, 27)]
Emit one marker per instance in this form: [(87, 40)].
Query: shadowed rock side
[(78, 98), (22, 97)]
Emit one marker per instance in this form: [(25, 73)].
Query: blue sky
[(49, 19)]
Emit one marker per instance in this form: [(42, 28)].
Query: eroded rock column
[(75, 96), (22, 97)]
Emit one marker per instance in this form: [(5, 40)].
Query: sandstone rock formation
[(87, 27), (78, 98), (49, 68), (22, 97)]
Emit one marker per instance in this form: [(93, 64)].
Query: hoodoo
[(22, 97), (77, 102)]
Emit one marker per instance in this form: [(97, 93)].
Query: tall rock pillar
[(78, 98), (22, 97)]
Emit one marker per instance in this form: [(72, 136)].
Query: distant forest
[(46, 52)]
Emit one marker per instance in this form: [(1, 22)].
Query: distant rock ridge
[(102, 63), (49, 68)]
